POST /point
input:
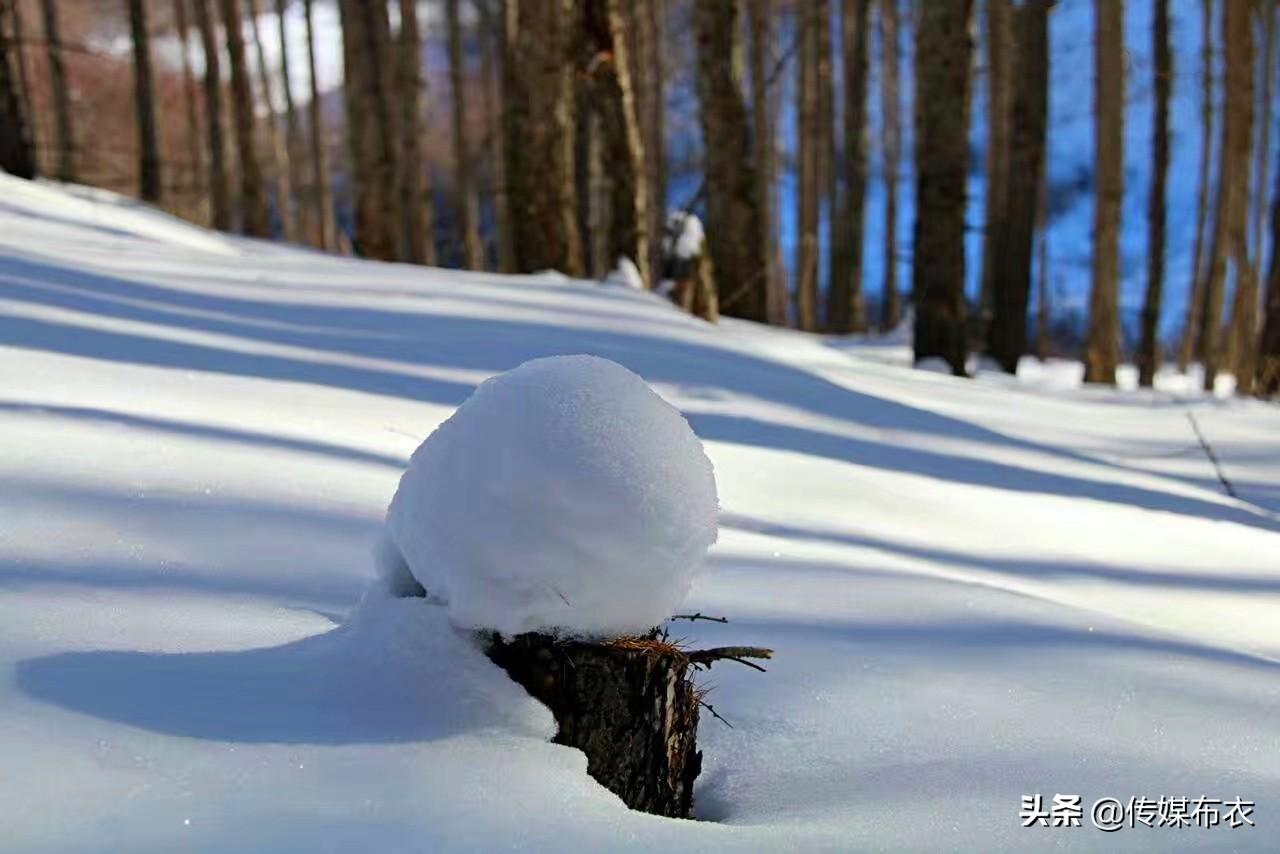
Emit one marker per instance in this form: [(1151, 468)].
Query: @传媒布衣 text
[(1111, 814)]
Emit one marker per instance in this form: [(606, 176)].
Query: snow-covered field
[(976, 590)]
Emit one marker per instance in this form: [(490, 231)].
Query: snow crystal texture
[(564, 495)]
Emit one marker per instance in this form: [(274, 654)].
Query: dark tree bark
[(764, 142), (1102, 351), (1042, 298), (1267, 377), (943, 62), (1231, 218), (1148, 356), (293, 134), (253, 196), (732, 206), (1190, 344), (66, 168), (633, 712), (649, 64), (466, 201), (890, 106), (490, 71), (219, 192), (1012, 239), (16, 155), (326, 227), (808, 168), (22, 79), (1000, 80), (538, 135), (279, 153), (846, 306), (195, 142), (415, 187), (144, 104)]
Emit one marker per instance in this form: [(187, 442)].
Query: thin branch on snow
[(1213, 458), (712, 709), (699, 616), (740, 654)]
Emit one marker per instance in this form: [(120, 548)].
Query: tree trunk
[(1042, 299), (326, 228), (943, 65), (66, 169), (293, 135), (16, 155), (490, 58), (764, 141), (1012, 239), (733, 209), (633, 712), (538, 135), (1148, 356), (1231, 225), (416, 203), (466, 202), (22, 78), (195, 141), (649, 71), (144, 104), (219, 192), (1103, 347), (846, 306), (1191, 344), (890, 107), (1267, 374), (279, 154), (808, 195), (830, 178), (1000, 80), (253, 196)]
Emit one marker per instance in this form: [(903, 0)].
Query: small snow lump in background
[(564, 495)]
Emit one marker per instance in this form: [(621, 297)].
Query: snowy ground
[(976, 590)]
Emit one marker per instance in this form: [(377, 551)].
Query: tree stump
[(631, 708)]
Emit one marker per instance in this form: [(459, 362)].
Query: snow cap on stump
[(564, 495)]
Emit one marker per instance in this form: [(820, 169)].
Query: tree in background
[(491, 81), (538, 133), (764, 146), (302, 214), (219, 191), (733, 209), (808, 167), (943, 58), (466, 201), (1102, 350), (1191, 345), (1148, 355), (66, 143), (253, 196), (1267, 372), (416, 203), (846, 307), (1231, 214), (279, 153), (999, 43), (16, 151), (144, 104), (326, 227), (195, 143), (649, 72), (1011, 236), (891, 110)]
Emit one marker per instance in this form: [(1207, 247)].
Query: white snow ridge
[(563, 495)]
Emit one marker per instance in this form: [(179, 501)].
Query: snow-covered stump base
[(632, 711)]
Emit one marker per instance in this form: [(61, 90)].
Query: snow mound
[(625, 274), (563, 495)]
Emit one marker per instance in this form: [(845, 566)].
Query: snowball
[(684, 236), (563, 495)]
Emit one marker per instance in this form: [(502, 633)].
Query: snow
[(625, 274), (684, 235), (977, 589), (563, 495)]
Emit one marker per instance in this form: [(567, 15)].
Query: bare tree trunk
[(760, 28), (829, 175), (1012, 240), (326, 229), (732, 207), (1231, 226), (293, 135), (195, 141), (648, 65), (23, 78), (1268, 12), (279, 155), (253, 196), (943, 66), (66, 169), (1148, 356), (490, 58), (1000, 79), (219, 192), (16, 156), (467, 203), (890, 107), (144, 104), (1042, 300), (416, 203), (1267, 375), (808, 195), (538, 135), (846, 306), (1190, 343), (1103, 348)]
